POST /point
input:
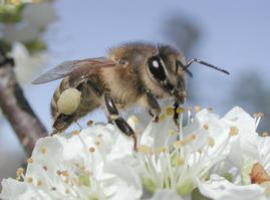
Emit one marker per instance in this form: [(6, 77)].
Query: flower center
[(174, 165)]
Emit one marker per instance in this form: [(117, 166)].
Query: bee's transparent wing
[(76, 68)]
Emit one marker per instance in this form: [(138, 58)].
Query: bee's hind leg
[(118, 120)]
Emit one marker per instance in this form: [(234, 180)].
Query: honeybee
[(133, 73)]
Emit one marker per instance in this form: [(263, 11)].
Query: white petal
[(165, 194), (219, 188), (246, 144), (156, 134), (125, 181), (12, 189), (264, 152)]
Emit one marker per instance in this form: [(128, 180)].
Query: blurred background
[(231, 34)]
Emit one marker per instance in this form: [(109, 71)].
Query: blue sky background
[(234, 35)]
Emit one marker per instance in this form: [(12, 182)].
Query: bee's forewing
[(75, 68)]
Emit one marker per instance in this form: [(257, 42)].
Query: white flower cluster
[(220, 158), (26, 64)]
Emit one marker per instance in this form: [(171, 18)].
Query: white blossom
[(77, 167), (249, 159), (26, 64), (216, 156), (170, 159)]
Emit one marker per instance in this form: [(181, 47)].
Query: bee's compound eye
[(156, 68)]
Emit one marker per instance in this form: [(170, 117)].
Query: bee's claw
[(55, 131), (156, 119)]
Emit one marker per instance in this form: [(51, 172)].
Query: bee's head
[(165, 68), (168, 68)]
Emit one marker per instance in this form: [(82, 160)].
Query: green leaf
[(35, 46), (11, 14), (6, 46)]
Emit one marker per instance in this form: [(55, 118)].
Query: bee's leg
[(118, 120), (176, 114), (154, 108), (62, 122), (78, 124)]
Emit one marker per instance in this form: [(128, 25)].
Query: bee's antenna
[(189, 62), (184, 68)]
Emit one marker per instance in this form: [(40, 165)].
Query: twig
[(16, 108)]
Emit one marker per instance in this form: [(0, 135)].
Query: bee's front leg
[(118, 120), (154, 108), (176, 114)]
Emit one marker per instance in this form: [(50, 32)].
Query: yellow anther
[(197, 109), (39, 183), (211, 141), (178, 144), (45, 168), (29, 179), (145, 149), (171, 132), (180, 110), (30, 160), (19, 173), (170, 111), (162, 117), (58, 172), (161, 150), (265, 134), (75, 132), (90, 123), (233, 131), (67, 191), (98, 143), (199, 151), (43, 150), (134, 119), (191, 137), (179, 161), (92, 149), (65, 173), (205, 126)]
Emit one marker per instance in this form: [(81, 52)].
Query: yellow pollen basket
[(69, 101)]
